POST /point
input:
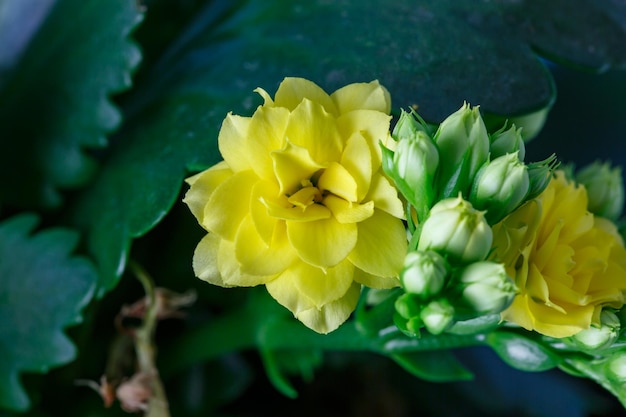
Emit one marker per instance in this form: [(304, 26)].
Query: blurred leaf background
[(106, 106)]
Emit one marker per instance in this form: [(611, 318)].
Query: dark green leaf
[(435, 366), (142, 179), (55, 102), (436, 54), (42, 290), (521, 352)]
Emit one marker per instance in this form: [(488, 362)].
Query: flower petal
[(333, 314), (263, 222), (313, 128), (229, 204), (202, 186), (381, 246), (385, 196), (372, 96), (293, 90), (230, 268), (338, 181), (205, 260), (256, 257), (347, 212), (321, 286), (266, 134), (284, 290), (232, 142), (373, 281), (322, 243), (293, 165), (357, 159), (372, 125)]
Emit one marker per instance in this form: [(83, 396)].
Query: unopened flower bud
[(605, 189), (408, 305), (599, 337), (407, 126), (424, 273), (500, 186), (463, 145), (415, 163), (456, 229), (540, 174), (485, 288), (508, 141), (438, 316)]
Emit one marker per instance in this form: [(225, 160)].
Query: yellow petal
[(338, 181), (205, 260), (313, 128), (357, 159), (284, 290), (555, 324), (293, 90), (263, 222), (293, 165), (322, 243), (385, 196), (229, 204), (347, 212), (232, 141), (333, 314), (373, 281), (372, 96), (280, 208), (319, 286), (230, 268), (202, 186), (266, 134), (258, 258), (372, 125), (381, 246)]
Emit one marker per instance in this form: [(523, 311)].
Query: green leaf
[(142, 179), (42, 290), (521, 352), (434, 366), (55, 101), (434, 53)]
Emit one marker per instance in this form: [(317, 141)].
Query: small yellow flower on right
[(567, 263)]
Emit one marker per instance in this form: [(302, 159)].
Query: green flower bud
[(540, 174), (605, 189), (485, 288), (438, 316), (507, 141), (415, 163), (463, 145), (454, 228), (500, 186), (408, 126), (424, 273), (408, 305), (600, 337)]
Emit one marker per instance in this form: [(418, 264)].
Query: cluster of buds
[(458, 180), (446, 278)]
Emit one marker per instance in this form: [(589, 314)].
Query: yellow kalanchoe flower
[(567, 263), (300, 202)]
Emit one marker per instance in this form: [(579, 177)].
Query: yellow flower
[(567, 263), (300, 202)]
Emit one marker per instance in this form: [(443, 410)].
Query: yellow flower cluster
[(300, 202), (567, 263)]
